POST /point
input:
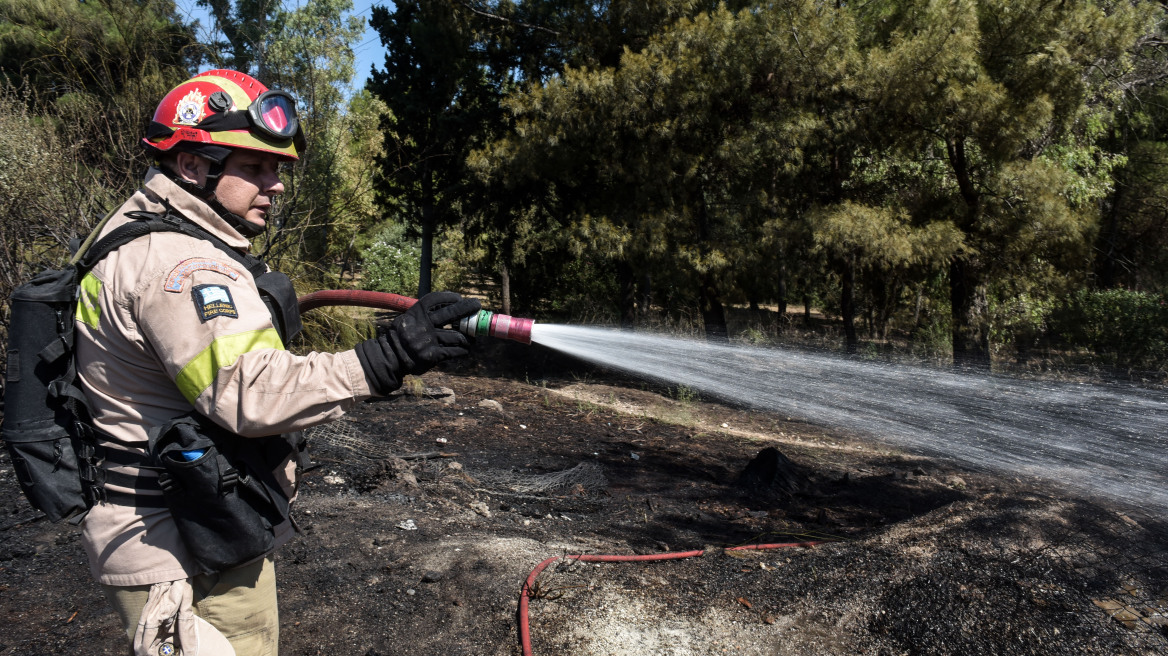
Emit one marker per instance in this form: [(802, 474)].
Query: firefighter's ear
[(191, 167)]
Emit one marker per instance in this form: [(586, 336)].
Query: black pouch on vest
[(221, 489)]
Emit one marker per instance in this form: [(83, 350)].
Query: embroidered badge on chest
[(213, 301)]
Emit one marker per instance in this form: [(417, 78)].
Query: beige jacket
[(168, 323)]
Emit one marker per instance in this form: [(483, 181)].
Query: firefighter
[(180, 338)]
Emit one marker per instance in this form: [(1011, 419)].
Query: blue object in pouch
[(195, 454)]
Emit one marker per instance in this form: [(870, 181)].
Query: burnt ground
[(414, 545)]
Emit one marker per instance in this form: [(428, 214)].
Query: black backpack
[(46, 420)]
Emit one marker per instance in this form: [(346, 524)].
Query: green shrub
[(333, 329), (453, 262), (391, 262), (1020, 321), (1122, 328)]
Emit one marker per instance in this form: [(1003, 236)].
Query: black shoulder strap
[(149, 222), (121, 236), (276, 290)]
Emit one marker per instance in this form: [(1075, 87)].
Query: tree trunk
[(782, 290), (967, 296), (713, 312), (848, 304), (345, 261), (505, 288), (920, 306), (1106, 266), (645, 300), (628, 295), (426, 265), (967, 290), (888, 293), (429, 218)]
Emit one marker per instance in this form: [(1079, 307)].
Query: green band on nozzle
[(483, 326)]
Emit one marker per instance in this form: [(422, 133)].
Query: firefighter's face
[(249, 182)]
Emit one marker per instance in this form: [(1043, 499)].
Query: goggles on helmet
[(270, 117), (274, 114)]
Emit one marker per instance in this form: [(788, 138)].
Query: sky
[(368, 50)]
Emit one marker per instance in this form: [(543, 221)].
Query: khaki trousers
[(240, 603)]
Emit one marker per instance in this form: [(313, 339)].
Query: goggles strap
[(157, 131), (223, 121)]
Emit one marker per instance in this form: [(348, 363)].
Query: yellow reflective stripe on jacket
[(200, 372), (88, 310)]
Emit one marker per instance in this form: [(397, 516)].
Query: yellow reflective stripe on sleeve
[(200, 372), (88, 311)]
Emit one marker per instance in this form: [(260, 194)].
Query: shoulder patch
[(213, 301), (177, 278)]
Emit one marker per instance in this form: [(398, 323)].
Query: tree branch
[(504, 19)]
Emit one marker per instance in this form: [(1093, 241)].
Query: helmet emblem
[(166, 649), (190, 109)]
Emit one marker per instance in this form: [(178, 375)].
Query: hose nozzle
[(476, 325), (496, 325)]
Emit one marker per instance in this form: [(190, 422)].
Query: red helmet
[(223, 109)]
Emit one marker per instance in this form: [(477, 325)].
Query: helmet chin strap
[(206, 193)]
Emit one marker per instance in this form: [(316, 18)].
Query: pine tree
[(999, 89), (441, 100)]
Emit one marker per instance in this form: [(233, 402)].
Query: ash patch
[(422, 517)]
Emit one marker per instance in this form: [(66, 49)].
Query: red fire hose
[(529, 586), (359, 297), (485, 323)]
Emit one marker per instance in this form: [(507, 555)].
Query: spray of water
[(1108, 441)]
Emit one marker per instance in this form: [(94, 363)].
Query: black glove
[(416, 341)]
